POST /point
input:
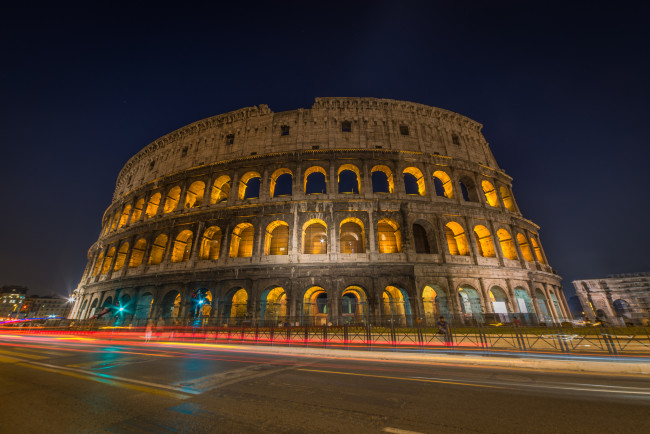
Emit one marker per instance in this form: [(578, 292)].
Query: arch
[(98, 263), (348, 179), (281, 183), (82, 311), (424, 238), (314, 306), (524, 302), (314, 237), (414, 181), (194, 195), (315, 180), (276, 241), (116, 218), (506, 197), (622, 308), (249, 185), (108, 259), (93, 306), (352, 236), (484, 241), (171, 305), (396, 306), (456, 239), (556, 304), (542, 304), (121, 256), (138, 253), (210, 243), (507, 244), (468, 189), (125, 215), (382, 179), (173, 197), (470, 302), (182, 246), (443, 185), (123, 308), (220, 189), (537, 249), (490, 193), (236, 305), (354, 305), (143, 306), (499, 301), (389, 236), (158, 250), (524, 247), (241, 241), (273, 306), (153, 204), (137, 210), (434, 303), (201, 303)]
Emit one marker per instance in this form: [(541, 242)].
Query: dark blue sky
[(562, 90)]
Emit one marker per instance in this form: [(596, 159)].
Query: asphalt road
[(76, 384)]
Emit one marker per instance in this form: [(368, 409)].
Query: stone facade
[(394, 210)]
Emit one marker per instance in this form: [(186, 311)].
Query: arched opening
[(158, 250), (201, 303), (194, 195), (456, 239), (171, 305), (98, 263), (443, 185), (171, 202), (354, 305), (537, 249), (556, 304), (314, 238), (470, 303), (276, 241), (414, 181), (468, 189), (542, 304), (395, 306), (249, 185), (121, 256), (241, 241), (143, 306), (220, 189), (490, 193), (108, 260), (137, 255), (273, 306), (116, 218), (434, 303), (525, 304), (82, 311), (125, 216), (124, 309), (352, 236), (153, 204), (524, 247), (315, 180), (281, 183), (137, 210), (382, 179), (182, 246), (622, 308), (421, 239), (389, 236), (499, 301), (210, 243), (236, 306), (507, 244), (506, 197), (348, 179), (93, 307), (484, 241), (314, 308)]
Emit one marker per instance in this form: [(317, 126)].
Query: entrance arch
[(236, 306), (273, 306), (143, 306), (396, 306), (171, 305), (499, 301), (201, 303), (314, 306), (354, 305), (470, 303), (434, 302)]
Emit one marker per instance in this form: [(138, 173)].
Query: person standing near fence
[(443, 328)]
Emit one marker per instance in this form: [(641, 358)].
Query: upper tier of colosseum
[(373, 124)]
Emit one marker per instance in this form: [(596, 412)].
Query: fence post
[(345, 336)]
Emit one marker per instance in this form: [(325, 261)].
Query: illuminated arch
[(210, 243), (396, 305), (98, 263), (171, 305), (354, 304), (249, 185), (314, 176), (173, 197), (108, 259), (414, 181), (506, 197), (125, 215), (194, 195), (524, 247), (276, 241), (143, 306), (236, 305), (158, 249), (523, 300), (456, 239), (507, 244), (284, 178), (220, 189), (116, 218), (484, 241), (442, 183), (241, 242), (273, 307), (468, 189), (490, 193), (434, 303), (153, 204), (121, 256), (137, 255), (542, 304), (314, 306), (470, 302), (389, 236), (314, 237), (499, 300), (537, 249), (182, 246), (82, 311), (137, 210), (201, 303), (382, 179), (352, 236), (349, 173)]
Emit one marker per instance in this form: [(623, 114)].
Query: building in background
[(12, 298), (46, 306), (618, 299)]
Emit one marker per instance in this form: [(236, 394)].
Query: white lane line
[(399, 431)]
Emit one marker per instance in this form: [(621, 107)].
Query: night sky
[(562, 91)]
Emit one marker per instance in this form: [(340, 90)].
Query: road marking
[(25, 355), (399, 431), (403, 378)]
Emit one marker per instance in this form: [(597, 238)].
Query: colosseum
[(357, 210)]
